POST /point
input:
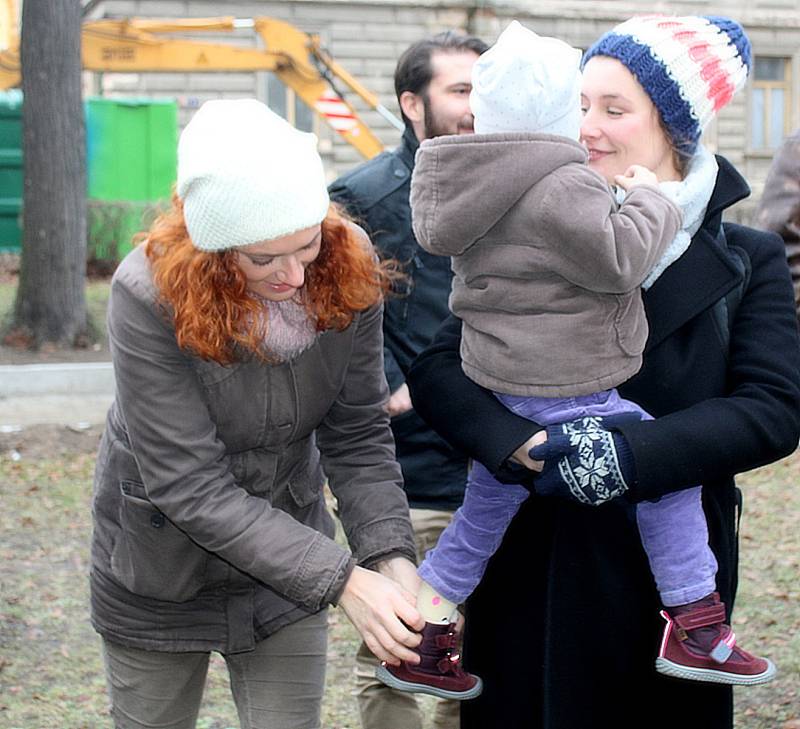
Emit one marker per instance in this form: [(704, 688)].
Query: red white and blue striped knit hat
[(689, 66)]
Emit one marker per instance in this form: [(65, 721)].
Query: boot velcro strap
[(448, 640), (724, 648), (701, 617)]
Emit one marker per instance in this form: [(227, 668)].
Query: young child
[(548, 268)]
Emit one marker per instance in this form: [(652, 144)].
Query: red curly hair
[(213, 311)]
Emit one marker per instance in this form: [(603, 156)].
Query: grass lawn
[(50, 669), (97, 292)]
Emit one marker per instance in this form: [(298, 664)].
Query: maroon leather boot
[(697, 645), (439, 673)]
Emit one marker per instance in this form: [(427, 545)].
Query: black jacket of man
[(376, 195)]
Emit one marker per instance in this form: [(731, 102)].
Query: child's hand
[(636, 175)]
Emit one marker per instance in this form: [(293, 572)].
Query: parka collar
[(731, 187), (705, 272), (408, 147)]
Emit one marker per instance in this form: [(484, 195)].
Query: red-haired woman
[(246, 338)]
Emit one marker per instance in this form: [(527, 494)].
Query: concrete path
[(69, 393)]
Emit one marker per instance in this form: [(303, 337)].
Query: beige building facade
[(367, 36)]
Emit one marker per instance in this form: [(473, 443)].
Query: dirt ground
[(44, 442)]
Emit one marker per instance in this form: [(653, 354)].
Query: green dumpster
[(11, 180), (131, 165)]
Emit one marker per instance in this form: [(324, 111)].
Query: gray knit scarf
[(288, 328)]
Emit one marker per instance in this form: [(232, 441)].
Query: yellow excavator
[(137, 45)]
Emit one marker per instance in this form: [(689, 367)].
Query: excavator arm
[(136, 45)]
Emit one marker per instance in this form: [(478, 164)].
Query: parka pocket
[(630, 324), (305, 485), (152, 557)]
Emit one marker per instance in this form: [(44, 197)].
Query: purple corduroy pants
[(673, 529)]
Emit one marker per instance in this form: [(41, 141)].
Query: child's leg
[(451, 571), (675, 536), (456, 565), (435, 607), (697, 644)]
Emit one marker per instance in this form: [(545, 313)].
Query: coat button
[(157, 521), (399, 172)]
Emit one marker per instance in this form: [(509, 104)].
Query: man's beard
[(433, 126)]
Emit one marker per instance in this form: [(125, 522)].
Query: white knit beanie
[(245, 175), (527, 83)]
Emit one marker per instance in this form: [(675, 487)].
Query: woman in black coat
[(573, 645)]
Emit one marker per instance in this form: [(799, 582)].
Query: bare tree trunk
[(51, 303)]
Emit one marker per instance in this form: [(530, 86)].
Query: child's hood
[(463, 185)]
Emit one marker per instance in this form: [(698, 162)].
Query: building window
[(284, 101), (770, 105)]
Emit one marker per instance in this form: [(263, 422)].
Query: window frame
[(789, 84), (290, 99)]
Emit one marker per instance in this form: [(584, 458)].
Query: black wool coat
[(564, 628)]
